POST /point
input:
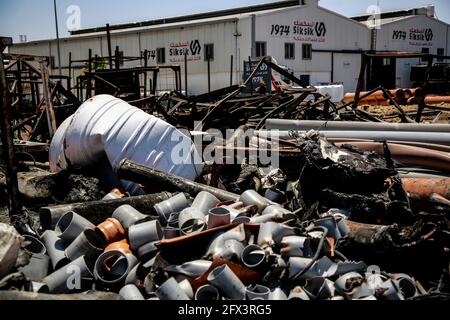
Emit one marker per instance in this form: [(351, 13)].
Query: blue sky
[(36, 20)]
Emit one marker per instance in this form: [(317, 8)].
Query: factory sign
[(177, 51), (301, 30), (415, 36)]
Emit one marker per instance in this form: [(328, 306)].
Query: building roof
[(200, 16)]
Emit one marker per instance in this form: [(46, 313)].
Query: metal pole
[(14, 206), (48, 99), (209, 75), (185, 74), (57, 38), (231, 70), (108, 36)]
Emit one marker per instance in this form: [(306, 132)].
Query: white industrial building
[(317, 45)]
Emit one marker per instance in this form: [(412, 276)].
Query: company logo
[(321, 30), (195, 47), (429, 34)]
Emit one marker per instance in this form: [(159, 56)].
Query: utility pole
[(57, 37)]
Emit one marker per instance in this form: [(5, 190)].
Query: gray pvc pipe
[(342, 282), (425, 137), (37, 268), (38, 287), (35, 246), (277, 294), (192, 269), (275, 209), (175, 204), (253, 256), (173, 220), (274, 195), (143, 233), (191, 220), (147, 249), (231, 250), (71, 225), (227, 282), (295, 246), (128, 216), (185, 285), (170, 232), (251, 197), (271, 233), (205, 201), (257, 292), (207, 293), (55, 248), (306, 125), (297, 265), (88, 244), (171, 290), (72, 278), (218, 217), (218, 243), (406, 285), (120, 265), (131, 293)]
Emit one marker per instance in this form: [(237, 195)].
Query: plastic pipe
[(88, 244), (122, 245), (207, 293), (275, 195), (38, 287), (295, 246), (342, 282), (191, 269), (406, 285), (277, 294), (185, 285), (34, 246), (111, 230), (131, 293), (231, 250), (105, 125), (55, 249), (72, 278), (204, 201), (424, 137), (112, 267), (170, 232), (253, 256), (147, 250), (143, 233), (98, 211), (227, 282), (37, 268), (218, 217), (272, 232), (251, 197), (191, 220), (171, 290), (318, 125), (173, 220), (218, 243), (299, 264), (175, 204), (128, 216), (275, 210), (257, 292), (71, 225)]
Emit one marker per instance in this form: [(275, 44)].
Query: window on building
[(440, 52), (161, 55), (306, 51), (289, 51), (426, 51), (209, 51), (261, 49)]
